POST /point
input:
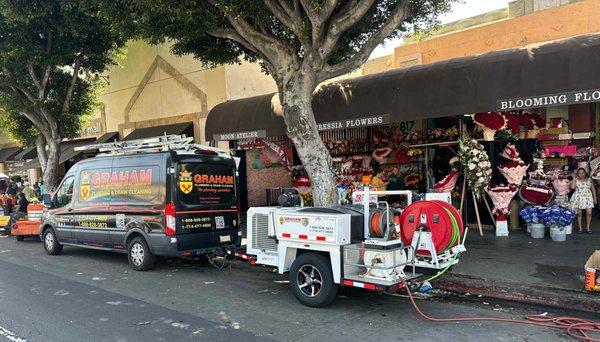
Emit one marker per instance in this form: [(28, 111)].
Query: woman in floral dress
[(584, 197)]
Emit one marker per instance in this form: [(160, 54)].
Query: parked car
[(177, 203)]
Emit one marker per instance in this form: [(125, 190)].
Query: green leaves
[(43, 43)]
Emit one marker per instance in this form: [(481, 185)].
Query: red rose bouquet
[(490, 120)]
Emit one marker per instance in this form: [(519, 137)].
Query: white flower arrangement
[(476, 164)]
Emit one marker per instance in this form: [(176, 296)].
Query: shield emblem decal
[(84, 191), (185, 187), (185, 182)]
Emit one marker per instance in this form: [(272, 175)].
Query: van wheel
[(51, 245), (20, 237), (140, 257), (311, 280)]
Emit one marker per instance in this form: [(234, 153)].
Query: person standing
[(584, 198), (42, 189), (29, 192), (20, 211)]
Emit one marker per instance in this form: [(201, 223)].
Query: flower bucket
[(558, 234), (488, 134), (538, 230)]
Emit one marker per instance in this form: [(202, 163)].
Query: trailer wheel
[(20, 237), (311, 280)]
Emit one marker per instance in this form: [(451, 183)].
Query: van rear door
[(206, 204)]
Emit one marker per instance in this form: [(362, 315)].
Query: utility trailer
[(358, 245)]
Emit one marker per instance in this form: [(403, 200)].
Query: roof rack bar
[(178, 143)]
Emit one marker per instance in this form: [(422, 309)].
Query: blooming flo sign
[(475, 163)]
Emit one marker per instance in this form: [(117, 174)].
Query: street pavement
[(92, 295)]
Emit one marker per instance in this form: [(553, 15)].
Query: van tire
[(139, 254), (50, 242), (305, 271)]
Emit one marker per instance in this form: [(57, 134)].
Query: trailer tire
[(311, 280), (20, 237)]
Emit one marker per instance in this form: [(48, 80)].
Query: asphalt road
[(91, 295)]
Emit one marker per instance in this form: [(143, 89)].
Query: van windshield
[(206, 184)]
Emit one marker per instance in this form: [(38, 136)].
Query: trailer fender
[(289, 251)]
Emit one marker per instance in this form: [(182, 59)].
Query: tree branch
[(289, 19), (342, 21), (361, 56), (318, 17), (265, 44), (234, 36), (74, 78)]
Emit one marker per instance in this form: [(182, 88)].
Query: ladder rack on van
[(178, 143)]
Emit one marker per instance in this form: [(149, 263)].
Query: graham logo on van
[(213, 179), (122, 178)]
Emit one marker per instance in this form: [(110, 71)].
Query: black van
[(179, 203)]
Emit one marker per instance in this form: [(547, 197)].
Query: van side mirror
[(48, 200)]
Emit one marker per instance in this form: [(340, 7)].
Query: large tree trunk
[(296, 99), (53, 154), (40, 144)]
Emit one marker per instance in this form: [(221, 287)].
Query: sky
[(461, 10)]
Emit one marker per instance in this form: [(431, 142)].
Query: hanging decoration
[(475, 163)]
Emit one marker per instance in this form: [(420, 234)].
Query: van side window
[(65, 192)]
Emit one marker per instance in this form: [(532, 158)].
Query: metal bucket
[(538, 230), (558, 234)]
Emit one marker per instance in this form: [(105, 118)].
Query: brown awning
[(186, 128), (447, 88), (8, 153), (107, 137), (26, 154), (67, 151)]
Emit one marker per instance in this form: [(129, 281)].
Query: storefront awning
[(541, 75), (8, 153), (67, 152), (107, 137), (26, 154), (149, 132)]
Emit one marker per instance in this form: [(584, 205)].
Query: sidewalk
[(529, 270)]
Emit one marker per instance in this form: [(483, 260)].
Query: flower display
[(381, 154), (493, 121), (475, 163), (536, 195), (514, 171), (510, 152), (415, 152), (562, 186), (447, 184), (501, 197), (451, 133), (531, 213), (556, 216)]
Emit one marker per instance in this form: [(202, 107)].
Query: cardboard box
[(592, 272), (559, 130)]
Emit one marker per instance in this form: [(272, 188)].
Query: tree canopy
[(300, 43), (50, 52)]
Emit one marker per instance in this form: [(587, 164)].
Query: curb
[(519, 292)]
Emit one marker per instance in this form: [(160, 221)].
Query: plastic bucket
[(569, 229), (538, 230), (558, 234), (529, 228)]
